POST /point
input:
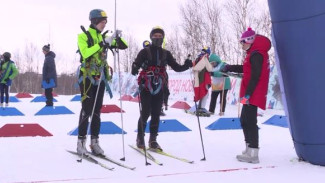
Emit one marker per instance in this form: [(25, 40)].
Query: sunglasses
[(247, 40)]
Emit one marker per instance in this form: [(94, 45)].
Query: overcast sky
[(58, 21)]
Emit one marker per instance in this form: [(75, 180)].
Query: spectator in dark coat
[(49, 74)]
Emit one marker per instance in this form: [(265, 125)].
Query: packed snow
[(45, 159)]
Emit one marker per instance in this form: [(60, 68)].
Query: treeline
[(30, 82)]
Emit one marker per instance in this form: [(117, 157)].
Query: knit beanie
[(46, 48), (248, 36), (6, 56), (206, 50), (214, 58)]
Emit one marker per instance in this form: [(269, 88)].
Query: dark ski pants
[(87, 107), (248, 121), (49, 96), (213, 101), (4, 91), (150, 105)]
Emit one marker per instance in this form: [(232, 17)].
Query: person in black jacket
[(166, 92), (152, 79), (49, 74)]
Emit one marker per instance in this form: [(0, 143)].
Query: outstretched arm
[(171, 61)]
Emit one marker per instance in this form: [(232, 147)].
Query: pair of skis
[(150, 157), (89, 157)]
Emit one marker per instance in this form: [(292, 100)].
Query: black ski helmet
[(97, 13), (157, 29)]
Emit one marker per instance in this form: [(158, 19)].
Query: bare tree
[(174, 45), (202, 26), (264, 27), (192, 26), (128, 56), (241, 14)]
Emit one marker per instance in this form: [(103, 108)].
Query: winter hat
[(206, 50), (145, 43), (46, 48), (6, 56), (214, 58), (248, 36)]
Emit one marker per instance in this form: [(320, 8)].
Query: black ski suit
[(153, 60)]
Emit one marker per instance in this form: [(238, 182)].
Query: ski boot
[(49, 103), (221, 113), (203, 112), (162, 112), (81, 146), (251, 156), (153, 144), (95, 148), (140, 142)]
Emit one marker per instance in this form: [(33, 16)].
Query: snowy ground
[(44, 159)]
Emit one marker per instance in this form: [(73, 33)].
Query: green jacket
[(95, 53), (11, 73), (218, 74)]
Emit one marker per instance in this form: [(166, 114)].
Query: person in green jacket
[(8, 72), (220, 85), (93, 77)]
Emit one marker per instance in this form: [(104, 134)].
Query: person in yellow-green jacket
[(93, 77), (8, 72)]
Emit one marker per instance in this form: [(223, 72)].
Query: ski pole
[(121, 106), (197, 114), (142, 129), (119, 76), (223, 94)]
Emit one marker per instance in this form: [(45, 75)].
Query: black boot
[(153, 144), (140, 142), (162, 112)]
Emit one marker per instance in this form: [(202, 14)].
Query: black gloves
[(135, 69), (224, 68), (188, 63), (103, 45)]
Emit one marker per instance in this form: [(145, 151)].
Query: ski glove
[(103, 44), (109, 39), (188, 63), (117, 33), (244, 100)]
